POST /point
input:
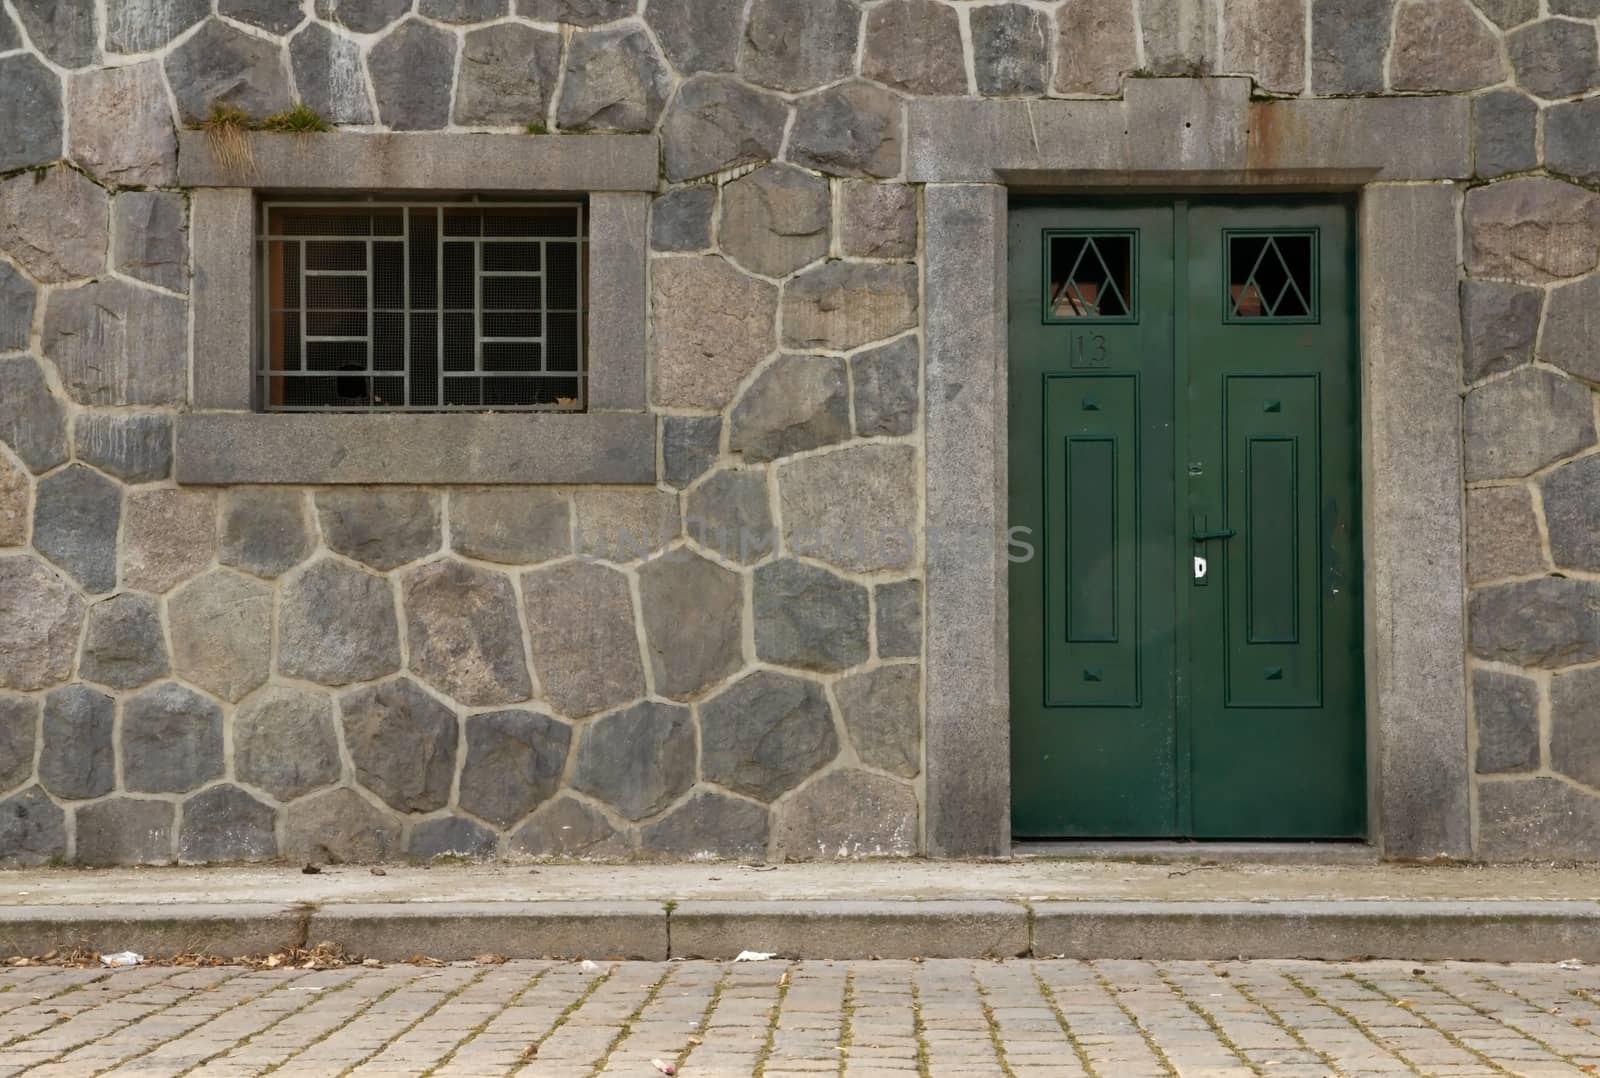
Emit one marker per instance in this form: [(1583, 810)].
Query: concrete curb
[(1493, 931)]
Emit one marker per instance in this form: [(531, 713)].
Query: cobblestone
[(1019, 1019)]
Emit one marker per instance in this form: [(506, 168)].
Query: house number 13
[(1088, 350)]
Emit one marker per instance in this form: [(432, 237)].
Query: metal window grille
[(395, 306)]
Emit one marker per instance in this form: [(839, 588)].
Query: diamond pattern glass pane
[(1272, 276), (1090, 276)]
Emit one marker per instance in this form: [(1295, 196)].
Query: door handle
[(1203, 535)]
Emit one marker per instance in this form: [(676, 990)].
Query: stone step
[(1419, 930)]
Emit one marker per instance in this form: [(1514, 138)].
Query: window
[(1090, 275), (1272, 276), (407, 306)]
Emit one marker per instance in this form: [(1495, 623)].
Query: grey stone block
[(882, 710), (852, 129), (134, 448), (899, 619), (222, 65), (77, 759), (1502, 534), (854, 507), (122, 125), (1517, 424), (339, 827), (1504, 128), (1509, 13), (566, 827), (226, 824), (16, 495), (53, 224), (362, 16), (273, 16), (776, 220), (1533, 229), (709, 826), (689, 446), (614, 81), (132, 26), (1180, 38), (1010, 50), (453, 836), (878, 220), (222, 236), (582, 638), (171, 740), (412, 70), (1498, 324), (766, 734), (337, 625), (1540, 818), (382, 528), (168, 536), (514, 527), (123, 645), (221, 626), (514, 763), (463, 635), (456, 931), (235, 928), (843, 305), (731, 514), (1506, 708), (711, 325), (65, 33), (75, 519), (884, 387), (1268, 38), (640, 760), (575, 12), (33, 831), (118, 343), (716, 122), (694, 629), (796, 403), (625, 525), (330, 77), (402, 742), (18, 297), (510, 448), (1571, 328), (809, 618), (1569, 142), (265, 531), (464, 11), (284, 742), (1443, 46), (680, 220), (508, 74), (697, 35), (124, 831), (851, 929), (1095, 45), (19, 725), (1554, 57), (1348, 39), (618, 294), (799, 44), (32, 112), (849, 814), (32, 421), (40, 618), (1546, 623), (348, 161), (1574, 739), (915, 46), (1572, 513)]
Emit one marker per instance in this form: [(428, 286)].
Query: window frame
[(224, 438)]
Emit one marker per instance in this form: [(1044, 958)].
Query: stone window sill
[(224, 448)]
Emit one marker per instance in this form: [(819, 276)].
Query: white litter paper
[(122, 958), (754, 956)]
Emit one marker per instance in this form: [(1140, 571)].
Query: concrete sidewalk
[(1037, 908)]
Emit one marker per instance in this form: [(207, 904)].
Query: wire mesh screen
[(422, 307)]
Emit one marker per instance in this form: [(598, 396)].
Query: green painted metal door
[(1186, 651)]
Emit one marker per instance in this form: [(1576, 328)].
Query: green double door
[(1186, 634)]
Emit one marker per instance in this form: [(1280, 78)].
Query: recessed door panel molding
[(1186, 644)]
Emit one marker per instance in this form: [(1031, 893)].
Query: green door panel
[(1182, 388)]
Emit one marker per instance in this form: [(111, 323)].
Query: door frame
[(1205, 136)]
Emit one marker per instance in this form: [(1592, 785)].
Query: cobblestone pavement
[(972, 1019)]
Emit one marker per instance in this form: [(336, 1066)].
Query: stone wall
[(205, 674)]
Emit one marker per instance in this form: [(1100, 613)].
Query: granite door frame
[(1206, 136)]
